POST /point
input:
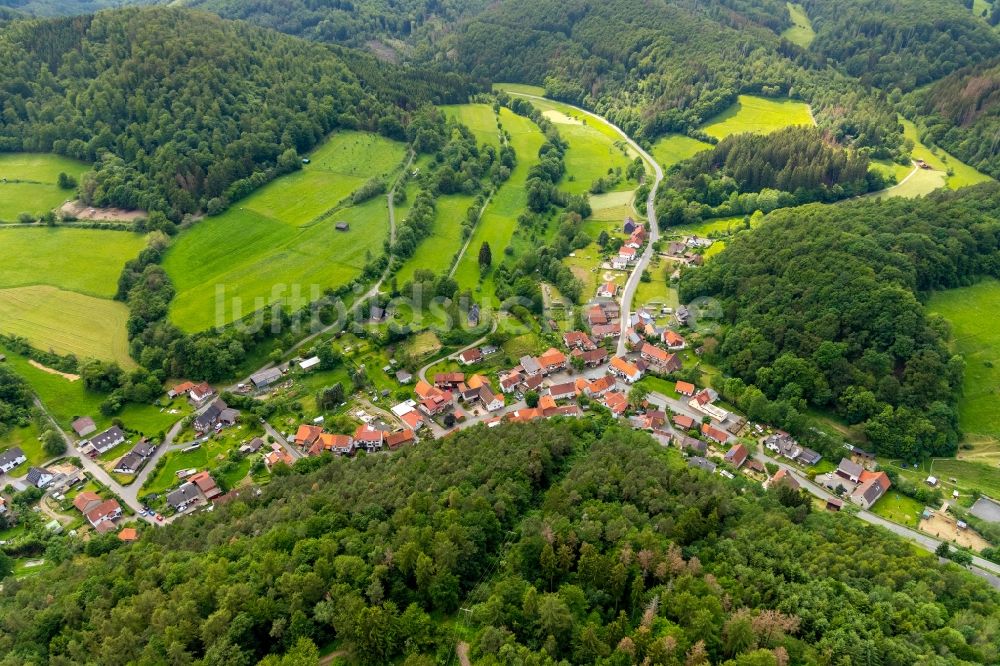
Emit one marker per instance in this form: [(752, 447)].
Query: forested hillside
[(961, 114), (659, 67), (899, 43), (593, 544), (177, 107), (823, 302), (343, 21)]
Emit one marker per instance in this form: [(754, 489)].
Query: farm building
[(343, 226), (265, 378)]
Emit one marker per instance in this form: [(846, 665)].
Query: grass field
[(613, 206), (941, 160), (207, 455), (68, 400), (758, 114), (801, 32), (38, 191), (923, 181), (899, 508), (87, 261), (479, 118), (67, 323), (591, 153), (972, 313), (888, 167), (270, 244), (499, 222), (27, 439), (522, 88), (673, 148), (436, 251)]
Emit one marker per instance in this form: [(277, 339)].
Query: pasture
[(479, 118), (273, 247), (916, 183), (499, 221), (940, 160), (759, 115), (88, 261), (613, 206), (436, 252), (674, 148), (801, 32), (522, 88), (972, 311), (68, 400), (28, 183), (592, 153), (66, 322)]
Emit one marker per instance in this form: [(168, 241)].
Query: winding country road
[(654, 230)]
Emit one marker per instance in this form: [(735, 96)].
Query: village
[(219, 451)]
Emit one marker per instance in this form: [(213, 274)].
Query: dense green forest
[(745, 173), (569, 540), (899, 43), (67, 7), (351, 22), (824, 310), (961, 113), (178, 108)]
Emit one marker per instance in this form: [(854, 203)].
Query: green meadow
[(673, 148), (66, 322), (27, 438), (479, 118), (28, 183), (940, 160), (88, 261), (973, 313), (591, 152), (271, 246), (67, 400), (499, 221), (521, 88), (801, 32), (758, 114), (435, 252)]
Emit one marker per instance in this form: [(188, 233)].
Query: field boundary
[(472, 232)]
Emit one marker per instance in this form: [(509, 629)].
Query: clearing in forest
[(801, 32), (280, 244), (66, 322), (29, 183), (674, 148), (971, 311), (760, 115), (479, 118)]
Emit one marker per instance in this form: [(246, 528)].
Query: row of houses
[(783, 444), (197, 394), (477, 354), (369, 437), (451, 385)]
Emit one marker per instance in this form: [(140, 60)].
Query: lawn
[(88, 261), (719, 226), (66, 322), (969, 475), (27, 439), (940, 160), (68, 400), (801, 32), (479, 118), (592, 153), (437, 251), (972, 313), (271, 247), (899, 508), (208, 455), (759, 115), (499, 222), (891, 168), (673, 148), (923, 181), (28, 183)]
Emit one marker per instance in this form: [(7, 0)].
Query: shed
[(343, 226)]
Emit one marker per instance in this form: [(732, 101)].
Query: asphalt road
[(980, 567)]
